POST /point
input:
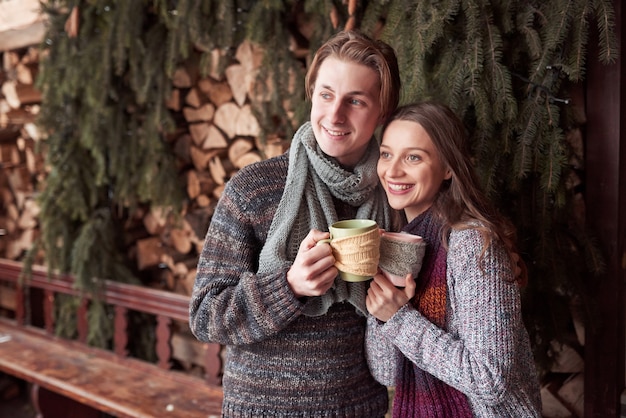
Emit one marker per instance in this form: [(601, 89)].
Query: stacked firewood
[(219, 136), (22, 169)]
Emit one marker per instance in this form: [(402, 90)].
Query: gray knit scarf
[(313, 179)]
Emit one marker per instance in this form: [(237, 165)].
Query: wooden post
[(606, 212)]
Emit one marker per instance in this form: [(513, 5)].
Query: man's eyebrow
[(350, 93)]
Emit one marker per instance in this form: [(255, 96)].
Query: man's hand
[(313, 271)]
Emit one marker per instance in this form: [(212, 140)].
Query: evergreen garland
[(505, 66)]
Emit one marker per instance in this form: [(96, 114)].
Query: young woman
[(292, 330), (452, 342)]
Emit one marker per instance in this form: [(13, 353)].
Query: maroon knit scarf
[(418, 393)]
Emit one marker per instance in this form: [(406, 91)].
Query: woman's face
[(409, 167), (345, 109)]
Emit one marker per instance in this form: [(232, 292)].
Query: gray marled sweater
[(279, 362), (484, 351)]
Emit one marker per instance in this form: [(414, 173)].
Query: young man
[(294, 331)]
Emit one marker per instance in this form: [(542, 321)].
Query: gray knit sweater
[(485, 352), (279, 362)]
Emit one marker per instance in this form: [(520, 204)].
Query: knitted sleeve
[(230, 303), (382, 355), (478, 353)]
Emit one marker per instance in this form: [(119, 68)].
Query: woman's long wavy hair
[(461, 202)]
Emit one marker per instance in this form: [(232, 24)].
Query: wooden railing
[(165, 306), (67, 374)]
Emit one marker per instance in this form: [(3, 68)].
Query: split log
[(185, 283), (9, 134), (239, 147), (173, 102), (566, 359), (236, 121), (31, 57), (9, 156), (4, 106), (17, 247), (217, 192), (250, 55), (246, 159), (198, 220), (216, 54), (10, 59), (217, 171), (202, 114), (25, 27), (203, 200), (20, 180), (28, 217), (195, 98), (272, 147), (182, 148), (12, 215), (207, 184), (16, 116), (200, 157), (8, 298), (246, 123), (193, 184), (199, 132), (18, 94), (552, 407), (149, 252), (187, 349), (214, 139), (155, 220), (180, 240), (31, 129), (31, 162), (238, 79), (218, 92), (207, 136), (578, 320), (572, 394), (185, 76), (226, 118), (26, 73)]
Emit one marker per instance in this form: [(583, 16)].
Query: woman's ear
[(448, 175)]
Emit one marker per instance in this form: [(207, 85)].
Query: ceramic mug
[(401, 253), (356, 247)]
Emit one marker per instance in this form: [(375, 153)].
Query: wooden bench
[(71, 379)]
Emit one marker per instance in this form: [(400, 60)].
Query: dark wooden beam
[(606, 213)]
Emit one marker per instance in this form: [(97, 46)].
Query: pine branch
[(605, 17), (551, 160), (580, 35)]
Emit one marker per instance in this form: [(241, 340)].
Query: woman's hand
[(313, 271), (384, 299)]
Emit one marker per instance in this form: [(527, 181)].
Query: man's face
[(345, 109)]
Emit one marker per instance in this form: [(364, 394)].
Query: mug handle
[(324, 241)]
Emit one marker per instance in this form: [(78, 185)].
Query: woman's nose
[(394, 168)]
